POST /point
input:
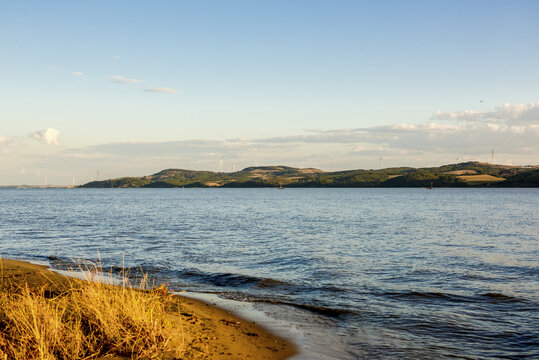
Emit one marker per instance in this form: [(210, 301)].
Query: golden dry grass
[(82, 319), (480, 179), (213, 183), (461, 172)]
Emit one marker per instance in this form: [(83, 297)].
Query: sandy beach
[(200, 330)]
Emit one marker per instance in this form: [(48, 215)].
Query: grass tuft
[(83, 319)]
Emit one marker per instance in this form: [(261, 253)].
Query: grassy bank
[(44, 315), (76, 319)]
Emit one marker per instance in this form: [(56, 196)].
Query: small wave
[(323, 310), (270, 283), (333, 312), (154, 247), (76, 264), (30, 232), (418, 295), (317, 309), (425, 295), (231, 280), (472, 276), (59, 263), (502, 297)]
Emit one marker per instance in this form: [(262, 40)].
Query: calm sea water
[(400, 273)]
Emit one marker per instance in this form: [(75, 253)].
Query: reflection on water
[(400, 273)]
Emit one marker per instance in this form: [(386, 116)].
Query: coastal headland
[(453, 175), (189, 328)]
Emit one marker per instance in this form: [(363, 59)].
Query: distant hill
[(523, 179), (454, 175)]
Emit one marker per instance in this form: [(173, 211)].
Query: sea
[(381, 273)]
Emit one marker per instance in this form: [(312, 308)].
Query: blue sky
[(132, 87)]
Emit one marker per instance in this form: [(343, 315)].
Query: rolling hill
[(454, 175)]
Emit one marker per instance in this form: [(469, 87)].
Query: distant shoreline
[(469, 174), (38, 187), (274, 187)]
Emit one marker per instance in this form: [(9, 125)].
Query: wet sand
[(202, 330)]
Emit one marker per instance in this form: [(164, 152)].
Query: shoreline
[(209, 331)]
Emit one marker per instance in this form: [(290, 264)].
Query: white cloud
[(8, 144), (48, 136), (118, 79), (162, 90), (511, 129), (517, 114), (429, 140), (77, 73), (377, 150)]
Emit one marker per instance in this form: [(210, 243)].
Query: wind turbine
[(221, 163)]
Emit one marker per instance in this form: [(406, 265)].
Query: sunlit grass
[(83, 319), (480, 179)]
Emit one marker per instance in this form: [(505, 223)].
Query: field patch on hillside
[(480, 179), (461, 172)]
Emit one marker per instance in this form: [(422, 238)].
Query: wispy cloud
[(168, 148), (428, 138), (512, 128), (80, 75), (119, 79), (48, 136), (514, 114), (162, 90), (8, 144), (405, 141)]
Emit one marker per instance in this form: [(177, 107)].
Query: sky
[(133, 87)]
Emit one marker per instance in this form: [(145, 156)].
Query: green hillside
[(454, 175), (523, 179)]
